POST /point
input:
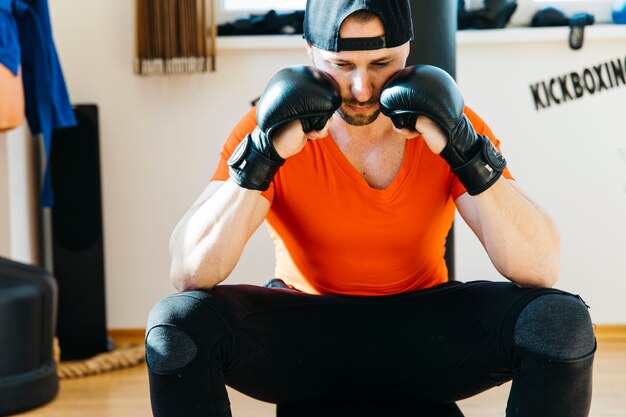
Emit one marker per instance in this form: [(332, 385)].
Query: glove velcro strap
[(483, 170), (251, 169)]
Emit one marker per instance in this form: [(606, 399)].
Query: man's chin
[(358, 119)]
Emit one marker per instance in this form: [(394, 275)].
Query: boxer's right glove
[(298, 92), (430, 91)]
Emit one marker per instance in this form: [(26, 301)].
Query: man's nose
[(361, 86)]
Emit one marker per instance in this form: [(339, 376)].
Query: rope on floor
[(124, 356)]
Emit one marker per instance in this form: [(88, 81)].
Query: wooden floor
[(125, 393)]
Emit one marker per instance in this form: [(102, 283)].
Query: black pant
[(407, 351)]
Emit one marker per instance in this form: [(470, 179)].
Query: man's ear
[(407, 51), (309, 52)]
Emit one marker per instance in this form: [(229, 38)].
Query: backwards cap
[(323, 19)]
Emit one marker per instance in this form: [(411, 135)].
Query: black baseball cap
[(323, 19)]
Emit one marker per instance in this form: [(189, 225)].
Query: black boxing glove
[(298, 92), (430, 91)]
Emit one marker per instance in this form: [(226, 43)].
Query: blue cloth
[(9, 44), (47, 102), (619, 13)]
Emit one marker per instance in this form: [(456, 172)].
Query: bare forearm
[(208, 241), (521, 240)]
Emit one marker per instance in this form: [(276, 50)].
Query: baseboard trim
[(125, 336), (604, 333), (610, 332)]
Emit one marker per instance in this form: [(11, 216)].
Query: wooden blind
[(172, 37)]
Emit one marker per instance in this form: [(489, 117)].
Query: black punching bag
[(434, 43)]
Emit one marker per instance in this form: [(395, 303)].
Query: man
[(357, 164)]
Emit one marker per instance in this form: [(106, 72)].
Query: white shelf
[(463, 37), (260, 42), (528, 34)]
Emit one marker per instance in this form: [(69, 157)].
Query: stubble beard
[(359, 119)]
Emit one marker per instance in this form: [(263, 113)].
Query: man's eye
[(381, 64)]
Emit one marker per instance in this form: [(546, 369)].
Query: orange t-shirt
[(334, 234)]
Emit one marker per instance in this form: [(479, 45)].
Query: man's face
[(361, 74)]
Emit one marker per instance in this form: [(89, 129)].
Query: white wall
[(570, 158), (18, 213), (5, 228), (160, 142), (161, 136)]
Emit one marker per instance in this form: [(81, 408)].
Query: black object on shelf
[(495, 14), (271, 23), (549, 17), (552, 16)]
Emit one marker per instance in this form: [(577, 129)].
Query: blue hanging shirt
[(47, 102), (9, 42)]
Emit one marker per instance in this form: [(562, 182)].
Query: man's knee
[(180, 327), (557, 326)]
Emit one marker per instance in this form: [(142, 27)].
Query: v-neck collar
[(411, 152)]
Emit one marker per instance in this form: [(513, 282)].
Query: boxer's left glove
[(430, 91), (298, 92)]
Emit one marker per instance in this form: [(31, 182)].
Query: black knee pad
[(556, 326), (180, 327)]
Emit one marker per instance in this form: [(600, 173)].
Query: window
[(262, 5)]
